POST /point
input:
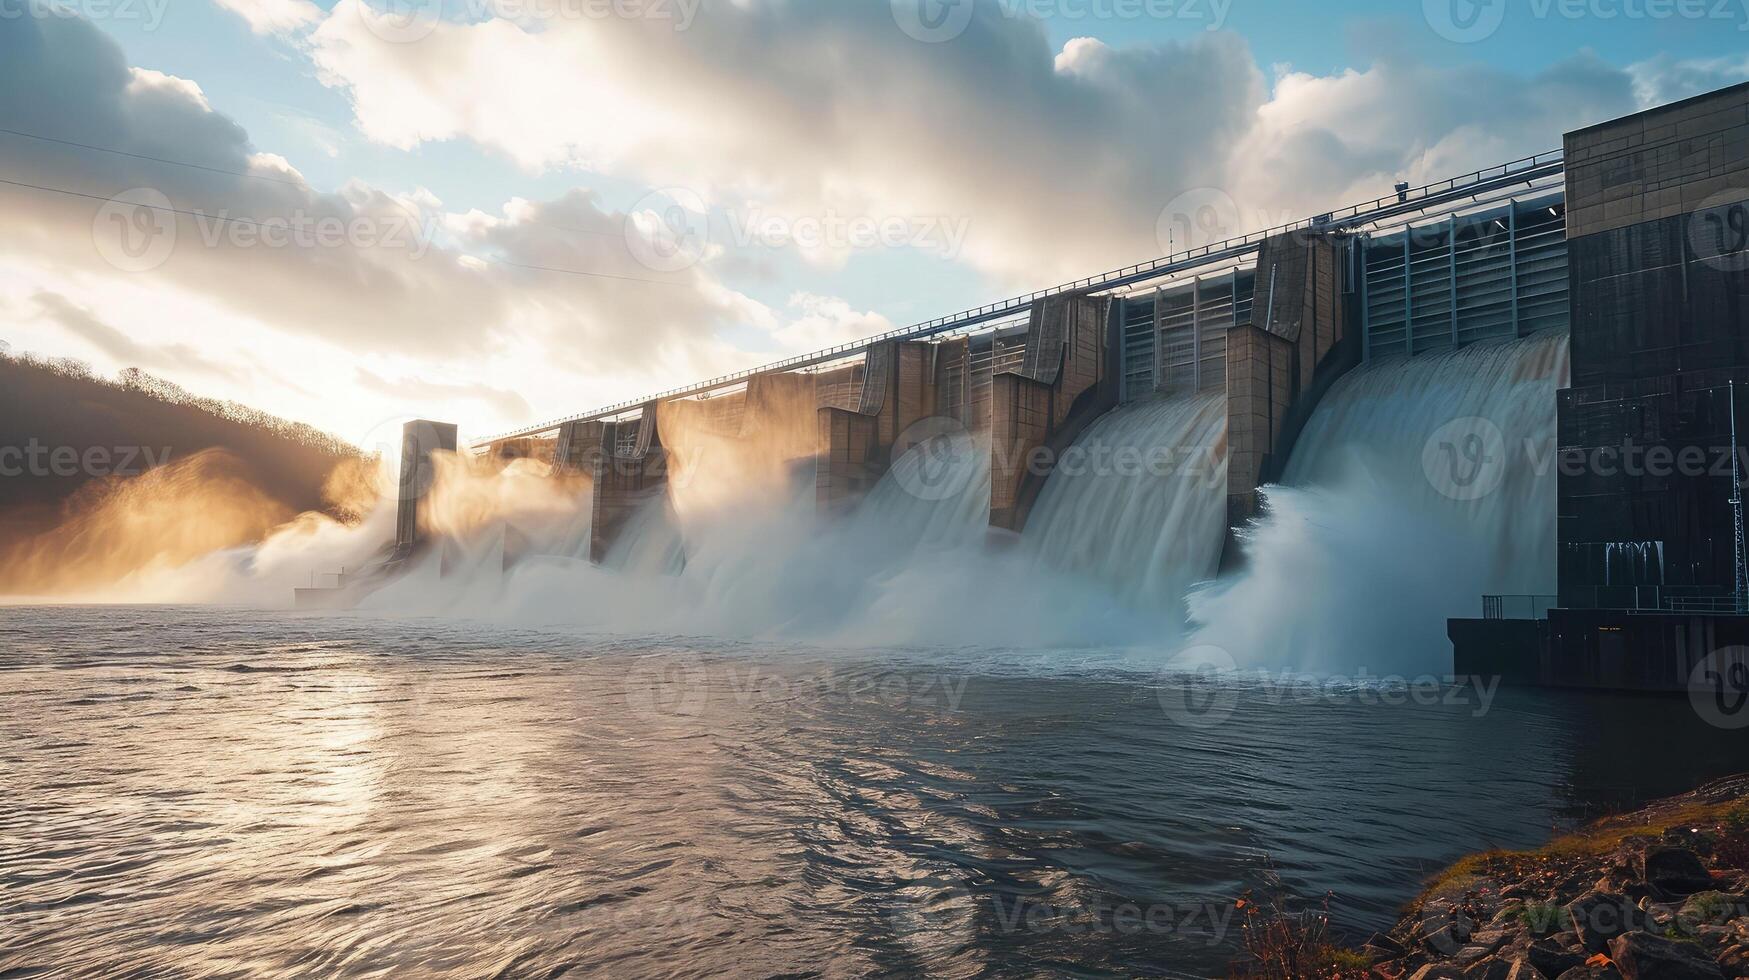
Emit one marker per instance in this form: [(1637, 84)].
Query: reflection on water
[(202, 793)]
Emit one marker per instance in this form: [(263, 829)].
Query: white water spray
[(1418, 485), (1138, 504)]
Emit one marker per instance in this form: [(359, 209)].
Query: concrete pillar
[(1280, 364), (628, 473), (1260, 389), (913, 393), (1065, 381), (850, 459), (857, 445), (419, 440), (780, 416)]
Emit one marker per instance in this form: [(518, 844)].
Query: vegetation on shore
[(1661, 892)]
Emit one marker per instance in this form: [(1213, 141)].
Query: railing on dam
[(1517, 606), (1405, 203)]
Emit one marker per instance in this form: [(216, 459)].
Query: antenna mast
[(1742, 570)]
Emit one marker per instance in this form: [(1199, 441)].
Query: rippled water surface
[(215, 794)]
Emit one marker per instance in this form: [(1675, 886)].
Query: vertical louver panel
[(1430, 288), (1178, 337), (1385, 310), (1242, 288), (1484, 267), (1542, 267), (1501, 272), (1175, 338), (1138, 347)]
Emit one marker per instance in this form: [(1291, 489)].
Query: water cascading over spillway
[(1139, 502), (1418, 485), (1130, 519), (935, 497)]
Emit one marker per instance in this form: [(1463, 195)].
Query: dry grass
[(1604, 836), (1281, 945)]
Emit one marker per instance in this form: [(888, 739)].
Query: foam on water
[(1417, 486)]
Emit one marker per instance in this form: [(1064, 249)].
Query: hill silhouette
[(64, 431)]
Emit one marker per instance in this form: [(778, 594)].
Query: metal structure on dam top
[(1406, 204)]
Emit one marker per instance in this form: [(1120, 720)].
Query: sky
[(499, 212)]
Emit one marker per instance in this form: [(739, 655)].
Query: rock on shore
[(1658, 894)]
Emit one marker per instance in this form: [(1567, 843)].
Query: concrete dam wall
[(1316, 370)]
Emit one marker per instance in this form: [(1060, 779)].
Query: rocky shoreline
[(1661, 893)]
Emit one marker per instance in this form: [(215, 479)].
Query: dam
[(1400, 395)]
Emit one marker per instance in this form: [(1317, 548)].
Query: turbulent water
[(910, 565), (1418, 485), (196, 792), (1139, 503)]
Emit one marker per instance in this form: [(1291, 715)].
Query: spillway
[(1138, 503), (934, 497), (1418, 485)]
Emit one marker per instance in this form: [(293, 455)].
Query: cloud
[(827, 321), (1666, 79), (773, 106), (273, 16), (1324, 141), (1060, 161), (503, 402), (81, 322), (376, 273)]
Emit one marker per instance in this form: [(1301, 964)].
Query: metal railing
[(1517, 606), (1655, 599), (1706, 604), (1524, 170)]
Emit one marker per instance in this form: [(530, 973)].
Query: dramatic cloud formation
[(1061, 162), (1324, 141), (557, 283)]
